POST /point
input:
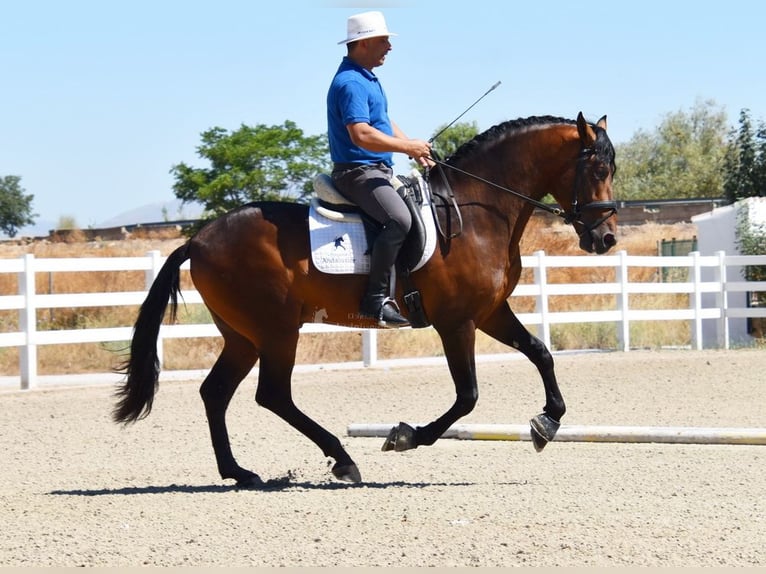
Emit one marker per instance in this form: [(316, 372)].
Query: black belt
[(348, 166)]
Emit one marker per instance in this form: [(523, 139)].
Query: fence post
[(150, 275), (696, 300), (722, 302), (541, 280), (623, 303), (369, 347), (28, 324)]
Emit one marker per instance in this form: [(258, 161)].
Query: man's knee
[(404, 221)]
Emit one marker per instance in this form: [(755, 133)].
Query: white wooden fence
[(715, 287)]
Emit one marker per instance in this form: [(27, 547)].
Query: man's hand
[(420, 151)]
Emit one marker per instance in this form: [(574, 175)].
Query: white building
[(717, 231)]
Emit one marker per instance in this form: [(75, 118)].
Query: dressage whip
[(433, 156), (449, 125)]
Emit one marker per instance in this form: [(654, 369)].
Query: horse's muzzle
[(598, 240)]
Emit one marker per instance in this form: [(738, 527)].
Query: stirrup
[(388, 314)]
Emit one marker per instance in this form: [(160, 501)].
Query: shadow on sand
[(272, 485)]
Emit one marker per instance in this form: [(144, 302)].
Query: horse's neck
[(545, 162), (520, 223), (532, 165)]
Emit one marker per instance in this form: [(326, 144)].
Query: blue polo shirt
[(356, 96)]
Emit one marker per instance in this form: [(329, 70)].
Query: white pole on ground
[(588, 433)]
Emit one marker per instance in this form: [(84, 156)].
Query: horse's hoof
[(543, 429), (249, 480), (400, 438), (347, 473)]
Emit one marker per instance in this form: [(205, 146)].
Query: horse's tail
[(142, 368)]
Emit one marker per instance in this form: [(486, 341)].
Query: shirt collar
[(349, 64)]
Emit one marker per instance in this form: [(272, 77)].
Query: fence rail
[(715, 289)]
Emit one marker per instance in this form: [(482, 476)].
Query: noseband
[(574, 216)]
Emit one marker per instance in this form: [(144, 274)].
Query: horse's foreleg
[(274, 393), (504, 326), (233, 365), (459, 350)]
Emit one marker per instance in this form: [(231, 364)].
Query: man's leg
[(370, 188)]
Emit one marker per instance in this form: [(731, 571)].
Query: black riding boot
[(376, 302)]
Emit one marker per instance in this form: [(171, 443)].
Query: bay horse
[(253, 269)]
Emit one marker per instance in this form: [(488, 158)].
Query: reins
[(568, 217), (554, 210)]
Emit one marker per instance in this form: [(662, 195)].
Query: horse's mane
[(510, 127), (500, 130)]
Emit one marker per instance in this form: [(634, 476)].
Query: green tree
[(751, 240), (15, 206), (745, 165), (683, 158), (448, 141), (67, 222), (260, 163)]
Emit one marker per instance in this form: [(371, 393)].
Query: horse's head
[(593, 210), (531, 157)]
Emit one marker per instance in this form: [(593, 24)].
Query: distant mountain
[(150, 213), (173, 210)]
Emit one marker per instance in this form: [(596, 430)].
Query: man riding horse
[(253, 265), (362, 142)]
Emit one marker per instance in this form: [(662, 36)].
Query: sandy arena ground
[(78, 490)]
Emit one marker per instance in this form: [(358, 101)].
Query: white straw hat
[(366, 25)]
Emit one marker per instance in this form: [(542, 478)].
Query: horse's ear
[(587, 135), (602, 122)]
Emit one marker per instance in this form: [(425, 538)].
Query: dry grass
[(555, 239)]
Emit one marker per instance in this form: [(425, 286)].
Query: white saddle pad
[(340, 247)]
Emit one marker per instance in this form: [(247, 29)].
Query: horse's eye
[(601, 172)]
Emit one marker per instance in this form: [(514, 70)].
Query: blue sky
[(101, 98)]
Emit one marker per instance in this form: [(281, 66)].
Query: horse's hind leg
[(504, 326), (275, 393), (234, 363)]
